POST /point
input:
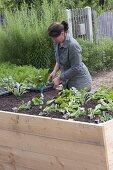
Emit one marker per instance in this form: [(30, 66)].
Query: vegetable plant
[(25, 106), (69, 102)]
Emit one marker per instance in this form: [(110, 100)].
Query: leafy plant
[(7, 81), (25, 106), (93, 112), (105, 117), (40, 77), (28, 75), (37, 101), (17, 89), (69, 102)]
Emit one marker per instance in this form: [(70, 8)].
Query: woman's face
[(60, 38)]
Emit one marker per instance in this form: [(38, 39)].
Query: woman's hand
[(56, 82)]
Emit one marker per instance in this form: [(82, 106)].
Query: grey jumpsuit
[(74, 73)]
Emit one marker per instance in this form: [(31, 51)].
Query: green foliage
[(103, 93), (98, 5), (105, 117), (12, 4), (24, 38), (10, 74), (37, 101), (38, 77), (12, 86), (98, 55), (17, 89), (69, 102), (72, 103), (104, 96), (25, 106)]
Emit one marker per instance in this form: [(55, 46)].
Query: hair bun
[(65, 24)]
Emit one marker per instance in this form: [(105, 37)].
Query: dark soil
[(10, 101)]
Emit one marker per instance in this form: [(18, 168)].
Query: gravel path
[(103, 78)]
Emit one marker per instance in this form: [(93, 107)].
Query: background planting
[(24, 38)]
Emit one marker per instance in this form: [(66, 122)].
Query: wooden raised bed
[(37, 143)]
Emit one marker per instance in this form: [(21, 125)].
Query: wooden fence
[(80, 22), (104, 25), (86, 24)]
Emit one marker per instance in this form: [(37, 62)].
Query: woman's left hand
[(56, 82)]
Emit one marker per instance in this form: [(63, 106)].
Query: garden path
[(102, 78)]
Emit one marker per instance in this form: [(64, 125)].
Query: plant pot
[(30, 142)]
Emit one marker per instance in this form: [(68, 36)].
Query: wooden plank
[(34, 161), (7, 166), (78, 151), (54, 128), (108, 136)]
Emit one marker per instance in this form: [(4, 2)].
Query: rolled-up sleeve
[(75, 62)]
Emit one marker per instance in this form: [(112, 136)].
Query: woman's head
[(58, 30)]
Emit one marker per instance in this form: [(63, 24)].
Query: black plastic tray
[(4, 92), (45, 88)]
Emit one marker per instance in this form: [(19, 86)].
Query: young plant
[(37, 101), (69, 102), (7, 81), (17, 89), (105, 117), (25, 106), (94, 112)]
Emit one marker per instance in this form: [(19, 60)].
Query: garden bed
[(30, 142), (9, 102)]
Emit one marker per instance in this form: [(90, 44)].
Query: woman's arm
[(53, 73)]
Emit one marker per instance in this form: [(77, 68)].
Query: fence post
[(69, 20), (89, 33), (94, 22)]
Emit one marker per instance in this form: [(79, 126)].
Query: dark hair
[(56, 28)]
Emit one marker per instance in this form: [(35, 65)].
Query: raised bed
[(30, 142)]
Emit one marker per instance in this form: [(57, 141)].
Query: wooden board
[(33, 142), (108, 136)]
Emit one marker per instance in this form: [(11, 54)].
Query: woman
[(74, 73)]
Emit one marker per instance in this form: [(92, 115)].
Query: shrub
[(24, 38), (97, 56)]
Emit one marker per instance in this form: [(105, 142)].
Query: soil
[(102, 78), (10, 101), (7, 103)]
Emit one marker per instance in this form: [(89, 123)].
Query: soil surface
[(10, 101), (102, 78)]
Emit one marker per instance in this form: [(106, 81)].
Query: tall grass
[(24, 38)]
